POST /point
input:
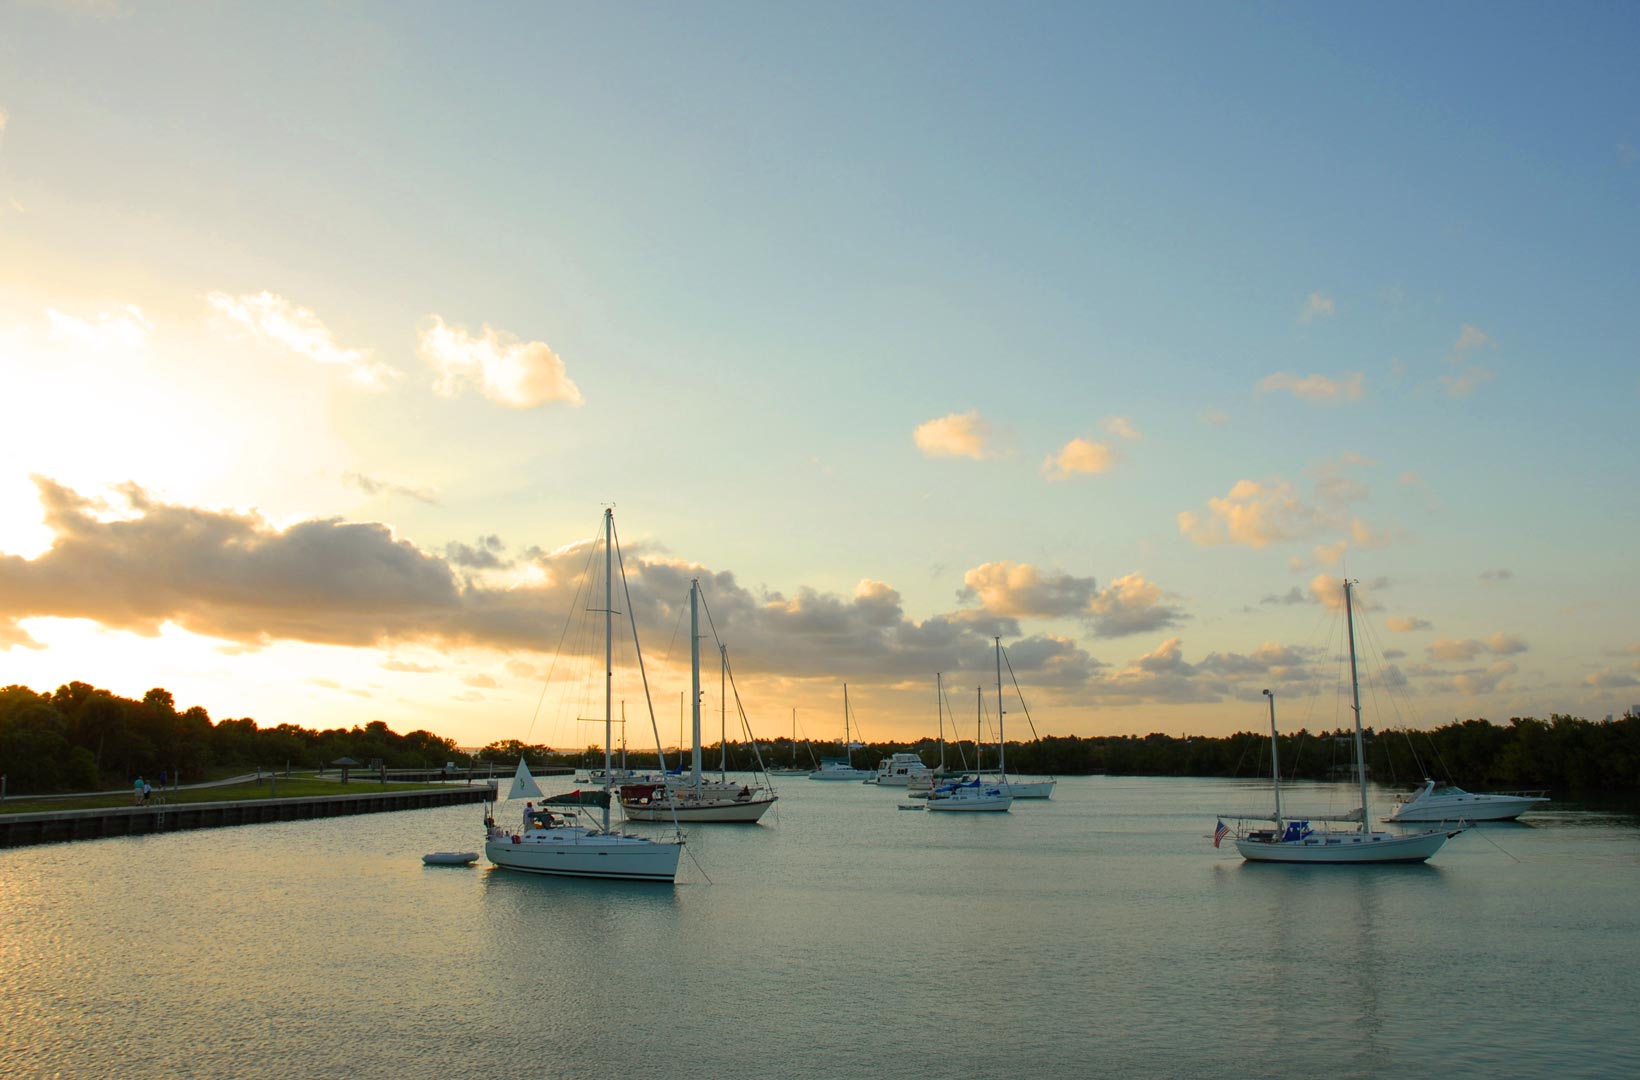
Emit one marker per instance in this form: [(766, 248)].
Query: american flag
[(1218, 833)]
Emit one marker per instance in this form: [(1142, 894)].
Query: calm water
[(1096, 935)]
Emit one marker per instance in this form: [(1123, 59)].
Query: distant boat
[(694, 798), (977, 794), (842, 768), (450, 858), (1448, 802), (1294, 840), (566, 844), (793, 769), (1019, 788), (902, 770)]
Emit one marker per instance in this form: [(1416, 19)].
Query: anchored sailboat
[(1294, 840), (842, 768), (695, 798), (557, 840)]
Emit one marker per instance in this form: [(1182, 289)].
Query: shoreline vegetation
[(82, 739)]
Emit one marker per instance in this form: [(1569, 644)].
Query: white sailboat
[(977, 794), (842, 768), (1294, 840), (1019, 789), (792, 769), (695, 798), (559, 841)]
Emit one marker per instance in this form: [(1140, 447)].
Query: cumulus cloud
[(1351, 387), (517, 374), (13, 636), (1316, 307), (237, 577), (125, 327), (1255, 514), (1611, 679), (955, 435), (484, 554), (271, 318), (1131, 605), (1079, 457), (1020, 590), (1406, 624), (1485, 681)]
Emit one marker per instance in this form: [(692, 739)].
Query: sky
[(1122, 333)]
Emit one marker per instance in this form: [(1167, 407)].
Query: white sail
[(523, 785)]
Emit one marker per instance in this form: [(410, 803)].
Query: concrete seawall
[(56, 826)]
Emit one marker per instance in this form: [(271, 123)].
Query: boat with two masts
[(976, 793), (1291, 839), (564, 841), (695, 798)]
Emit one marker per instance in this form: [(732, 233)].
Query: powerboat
[(1448, 802)]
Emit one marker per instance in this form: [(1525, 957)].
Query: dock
[(57, 826)]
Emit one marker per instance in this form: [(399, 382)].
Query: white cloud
[(1131, 605), (955, 435), (1020, 590), (123, 328), (1255, 514), (518, 374), (1079, 457), (1406, 624), (1485, 682), (273, 319), (1317, 307), (1351, 387)]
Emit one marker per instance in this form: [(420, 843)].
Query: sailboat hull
[(1353, 848), (1031, 789), (622, 858), (731, 810)]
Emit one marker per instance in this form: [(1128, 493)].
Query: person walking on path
[(136, 790)]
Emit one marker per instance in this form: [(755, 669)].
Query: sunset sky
[(1120, 331)]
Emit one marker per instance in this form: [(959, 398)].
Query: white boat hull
[(970, 805), (1445, 804), (1322, 847), (589, 855), (856, 775), (1031, 789)]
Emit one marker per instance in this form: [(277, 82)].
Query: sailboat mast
[(694, 678), (1355, 704), (723, 711), (939, 708), (609, 647), (848, 743), (979, 731), (1275, 759), (1002, 739)]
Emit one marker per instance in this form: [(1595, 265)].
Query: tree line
[(80, 738)]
